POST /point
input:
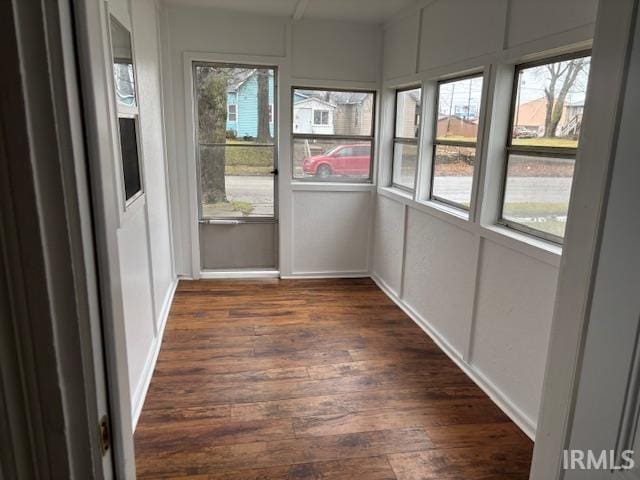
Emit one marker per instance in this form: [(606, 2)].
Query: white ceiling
[(365, 11)]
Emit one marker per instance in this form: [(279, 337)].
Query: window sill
[(394, 191), (448, 209), (332, 186)]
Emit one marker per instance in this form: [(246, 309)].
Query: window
[(546, 116), (127, 109), (454, 146), (321, 117), (236, 160), (270, 113), (332, 135), (406, 135), (232, 113)]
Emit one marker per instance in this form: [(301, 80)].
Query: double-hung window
[(332, 135), (127, 110), (455, 139), (546, 116), (406, 138)]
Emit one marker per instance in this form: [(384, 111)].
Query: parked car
[(353, 160)]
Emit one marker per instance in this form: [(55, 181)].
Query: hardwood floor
[(313, 379)]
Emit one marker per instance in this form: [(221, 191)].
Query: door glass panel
[(123, 75), (235, 134)]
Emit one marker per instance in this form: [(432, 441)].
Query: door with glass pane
[(236, 155)]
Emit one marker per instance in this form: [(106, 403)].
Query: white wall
[(147, 275), (484, 294), (349, 55)]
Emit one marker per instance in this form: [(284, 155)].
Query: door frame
[(56, 393), (590, 192), (282, 133)]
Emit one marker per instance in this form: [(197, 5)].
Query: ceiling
[(364, 11)]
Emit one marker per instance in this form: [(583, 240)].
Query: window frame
[(371, 138), (545, 152), (194, 64), (321, 123), (406, 140), (235, 112), (455, 143)]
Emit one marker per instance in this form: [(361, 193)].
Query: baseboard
[(494, 393), (328, 274), (247, 274), (150, 364)]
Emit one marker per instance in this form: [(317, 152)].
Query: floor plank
[(313, 379)]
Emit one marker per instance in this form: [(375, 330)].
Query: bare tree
[(562, 77), (264, 132), (211, 85)]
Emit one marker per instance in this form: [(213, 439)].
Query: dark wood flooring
[(314, 379)]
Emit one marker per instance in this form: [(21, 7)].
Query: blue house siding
[(246, 100)]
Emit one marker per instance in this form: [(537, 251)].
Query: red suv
[(351, 160)]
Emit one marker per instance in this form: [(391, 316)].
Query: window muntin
[(456, 136), (406, 137), (127, 110), (332, 135), (546, 117)]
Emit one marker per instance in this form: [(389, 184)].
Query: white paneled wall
[(512, 322), (485, 295), (331, 232), (439, 275), (147, 276)]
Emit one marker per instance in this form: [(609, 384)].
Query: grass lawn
[(546, 142), (546, 217), (234, 208), (247, 160)]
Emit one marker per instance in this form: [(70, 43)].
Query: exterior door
[(303, 120), (237, 165)]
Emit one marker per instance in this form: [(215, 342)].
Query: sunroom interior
[(338, 227)]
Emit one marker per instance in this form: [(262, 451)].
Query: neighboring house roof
[(314, 99)]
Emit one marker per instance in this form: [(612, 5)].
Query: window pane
[(537, 192), (123, 74), (405, 162), (408, 108), (327, 112), (459, 109), (233, 104), (130, 163), (550, 102), (453, 174), (236, 180), (330, 160)]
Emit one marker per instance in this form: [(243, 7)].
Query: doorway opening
[(236, 158)]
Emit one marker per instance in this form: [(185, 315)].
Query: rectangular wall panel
[(439, 276)]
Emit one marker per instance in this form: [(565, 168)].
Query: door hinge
[(105, 435)]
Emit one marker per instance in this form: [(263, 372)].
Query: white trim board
[(526, 424), (308, 275), (246, 274), (143, 387)]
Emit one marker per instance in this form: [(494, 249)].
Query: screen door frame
[(230, 220)]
